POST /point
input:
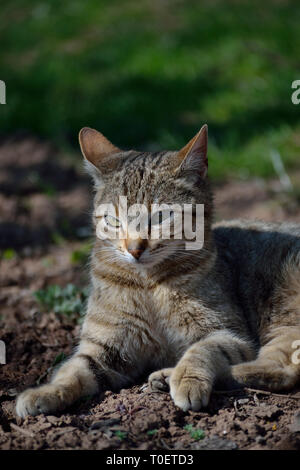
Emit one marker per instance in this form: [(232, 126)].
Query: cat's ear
[(193, 156), (95, 149)]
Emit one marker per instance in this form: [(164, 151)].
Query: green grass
[(69, 300), (148, 74)]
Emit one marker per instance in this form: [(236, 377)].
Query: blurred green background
[(149, 73)]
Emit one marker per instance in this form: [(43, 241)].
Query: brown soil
[(45, 200)]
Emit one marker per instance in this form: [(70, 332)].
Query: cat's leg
[(86, 373), (159, 380), (205, 363), (277, 366)]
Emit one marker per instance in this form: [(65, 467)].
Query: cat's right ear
[(97, 151)]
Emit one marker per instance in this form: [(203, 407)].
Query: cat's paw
[(257, 374), (190, 388), (159, 380), (34, 401), (243, 374)]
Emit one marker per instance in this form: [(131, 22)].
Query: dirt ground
[(44, 206)]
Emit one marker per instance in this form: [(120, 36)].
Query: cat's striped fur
[(194, 318)]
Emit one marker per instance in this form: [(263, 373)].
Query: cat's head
[(175, 178)]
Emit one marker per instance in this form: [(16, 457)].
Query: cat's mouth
[(138, 259), (151, 256)]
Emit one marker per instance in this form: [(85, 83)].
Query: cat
[(226, 313)]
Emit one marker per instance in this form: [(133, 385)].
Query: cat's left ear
[(193, 156)]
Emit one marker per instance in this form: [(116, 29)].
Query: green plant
[(9, 253), (69, 300), (80, 255), (121, 434), (59, 358), (196, 434), (57, 238), (152, 432)]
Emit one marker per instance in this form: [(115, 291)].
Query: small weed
[(59, 358), (69, 300), (47, 188), (80, 255), (152, 432), (121, 434), (57, 238), (196, 434), (9, 254)]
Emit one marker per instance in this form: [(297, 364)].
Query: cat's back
[(257, 257), (243, 239)]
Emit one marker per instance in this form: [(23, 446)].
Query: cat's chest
[(172, 319)]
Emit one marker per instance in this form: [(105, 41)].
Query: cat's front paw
[(34, 401), (159, 380), (190, 388)]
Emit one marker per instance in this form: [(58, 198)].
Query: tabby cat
[(228, 312)]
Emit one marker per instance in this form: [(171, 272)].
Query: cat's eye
[(161, 216), (112, 221)]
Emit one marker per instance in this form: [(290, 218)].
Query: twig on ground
[(229, 392), (254, 390), (266, 392), (65, 431), (47, 345), (22, 431), (165, 445)]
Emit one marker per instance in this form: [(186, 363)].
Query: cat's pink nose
[(136, 247)]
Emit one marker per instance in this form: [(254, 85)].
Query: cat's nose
[(136, 248), (136, 253)]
